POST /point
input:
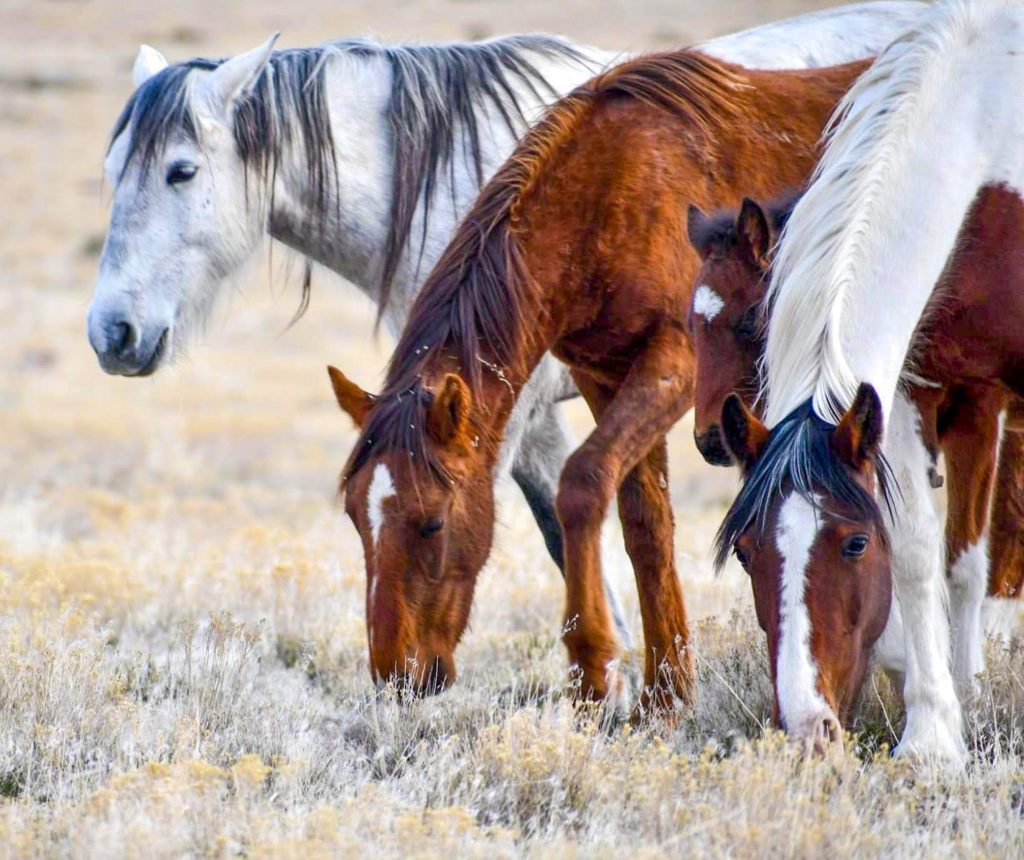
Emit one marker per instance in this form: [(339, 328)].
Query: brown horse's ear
[(449, 413), (753, 230), (858, 436), (745, 436), (697, 231), (351, 398)]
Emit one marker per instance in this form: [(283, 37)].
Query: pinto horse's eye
[(855, 545), (180, 172), (431, 527), (741, 557)]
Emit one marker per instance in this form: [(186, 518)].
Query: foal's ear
[(753, 230), (235, 78), (449, 413), (148, 63), (745, 436), (858, 436), (351, 398), (697, 231)]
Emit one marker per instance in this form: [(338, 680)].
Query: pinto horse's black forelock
[(799, 456), (437, 92)]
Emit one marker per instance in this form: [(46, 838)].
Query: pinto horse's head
[(418, 490), (725, 312), (809, 533)]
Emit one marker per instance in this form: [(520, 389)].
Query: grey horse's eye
[(181, 171)]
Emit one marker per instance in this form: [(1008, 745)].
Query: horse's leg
[(970, 443), (1006, 572), (630, 422), (934, 722), (536, 467), (647, 524)]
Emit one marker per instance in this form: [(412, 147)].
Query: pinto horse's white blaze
[(707, 303), (801, 705)]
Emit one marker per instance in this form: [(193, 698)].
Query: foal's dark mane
[(438, 93), (477, 304)]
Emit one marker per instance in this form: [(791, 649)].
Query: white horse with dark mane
[(361, 157)]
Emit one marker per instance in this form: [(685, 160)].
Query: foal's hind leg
[(630, 422), (646, 514)]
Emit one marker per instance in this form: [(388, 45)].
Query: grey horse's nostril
[(122, 338)]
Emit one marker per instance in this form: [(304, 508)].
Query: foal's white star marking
[(707, 303)]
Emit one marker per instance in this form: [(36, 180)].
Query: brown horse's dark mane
[(476, 305)]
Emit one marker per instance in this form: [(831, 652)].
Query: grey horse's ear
[(148, 62), (235, 78)]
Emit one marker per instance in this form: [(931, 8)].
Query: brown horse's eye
[(855, 546), (741, 557), (431, 527)]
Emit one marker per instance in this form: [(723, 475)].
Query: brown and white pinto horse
[(725, 321), (907, 248), (573, 247)]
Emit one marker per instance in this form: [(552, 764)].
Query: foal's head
[(418, 489), (808, 532), (725, 312)]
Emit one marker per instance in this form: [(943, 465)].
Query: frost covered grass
[(182, 645)]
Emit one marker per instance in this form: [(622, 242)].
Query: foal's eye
[(431, 527), (181, 171), (747, 326), (855, 546), (741, 557)]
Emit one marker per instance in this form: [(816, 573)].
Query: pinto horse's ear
[(235, 78), (745, 436), (449, 413), (351, 398), (148, 63), (858, 436), (752, 228), (697, 232)]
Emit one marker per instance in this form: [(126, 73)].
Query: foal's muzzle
[(123, 348), (712, 446)]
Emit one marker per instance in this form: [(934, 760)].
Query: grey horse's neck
[(349, 233)]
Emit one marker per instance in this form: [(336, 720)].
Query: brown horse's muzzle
[(417, 677)]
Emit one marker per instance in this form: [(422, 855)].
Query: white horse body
[(936, 118)]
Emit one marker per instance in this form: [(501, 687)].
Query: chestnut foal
[(985, 471), (573, 247)]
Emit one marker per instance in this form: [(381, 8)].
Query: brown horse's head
[(725, 312), (419, 491), (809, 533)]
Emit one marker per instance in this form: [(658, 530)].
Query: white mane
[(835, 232)]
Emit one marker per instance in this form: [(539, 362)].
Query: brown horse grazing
[(573, 247), (985, 475), (907, 248)]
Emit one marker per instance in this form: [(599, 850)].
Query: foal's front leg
[(631, 421)]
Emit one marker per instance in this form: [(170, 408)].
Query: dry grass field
[(182, 645)]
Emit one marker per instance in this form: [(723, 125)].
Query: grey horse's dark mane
[(439, 94)]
